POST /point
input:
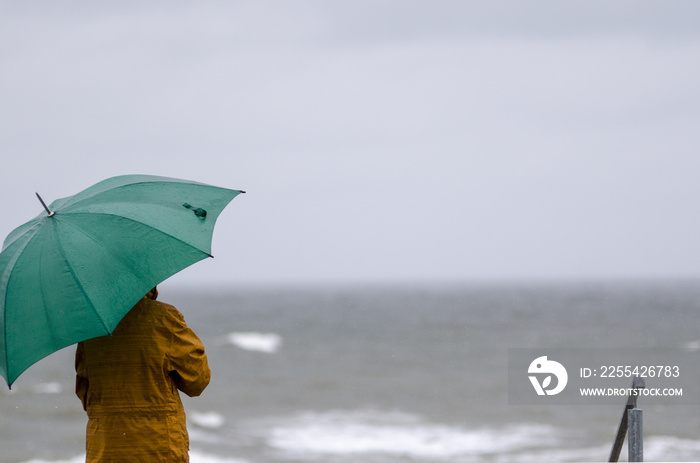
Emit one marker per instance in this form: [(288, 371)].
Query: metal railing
[(630, 424)]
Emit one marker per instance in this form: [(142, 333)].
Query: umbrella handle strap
[(198, 211)]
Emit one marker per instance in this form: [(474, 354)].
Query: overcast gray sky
[(377, 140)]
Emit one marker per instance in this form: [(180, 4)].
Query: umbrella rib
[(77, 282)]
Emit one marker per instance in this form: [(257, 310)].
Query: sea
[(388, 373)]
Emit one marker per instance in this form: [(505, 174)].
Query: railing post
[(637, 383), (634, 435)]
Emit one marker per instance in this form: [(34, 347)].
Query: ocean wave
[(262, 342), (209, 420), (78, 459), (203, 437), (198, 457), (692, 346), (669, 448), (656, 448), (47, 388), (559, 453), (392, 436), (398, 435), (195, 457)]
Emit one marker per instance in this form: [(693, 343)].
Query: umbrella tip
[(48, 211)]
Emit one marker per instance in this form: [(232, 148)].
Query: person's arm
[(188, 365), (81, 380)]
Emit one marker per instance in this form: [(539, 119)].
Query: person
[(128, 384)]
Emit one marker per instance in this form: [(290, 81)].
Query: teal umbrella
[(75, 270)]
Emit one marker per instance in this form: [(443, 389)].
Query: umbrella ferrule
[(48, 211)]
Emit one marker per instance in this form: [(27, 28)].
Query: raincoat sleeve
[(188, 365), (81, 381)]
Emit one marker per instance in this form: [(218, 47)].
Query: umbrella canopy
[(74, 271)]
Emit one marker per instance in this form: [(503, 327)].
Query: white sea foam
[(203, 437), (199, 457), (399, 435), (668, 448), (47, 388), (391, 436), (209, 420), (656, 448), (558, 453), (195, 457), (262, 342), (78, 459), (693, 346)]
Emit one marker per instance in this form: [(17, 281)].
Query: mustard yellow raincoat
[(128, 384)]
